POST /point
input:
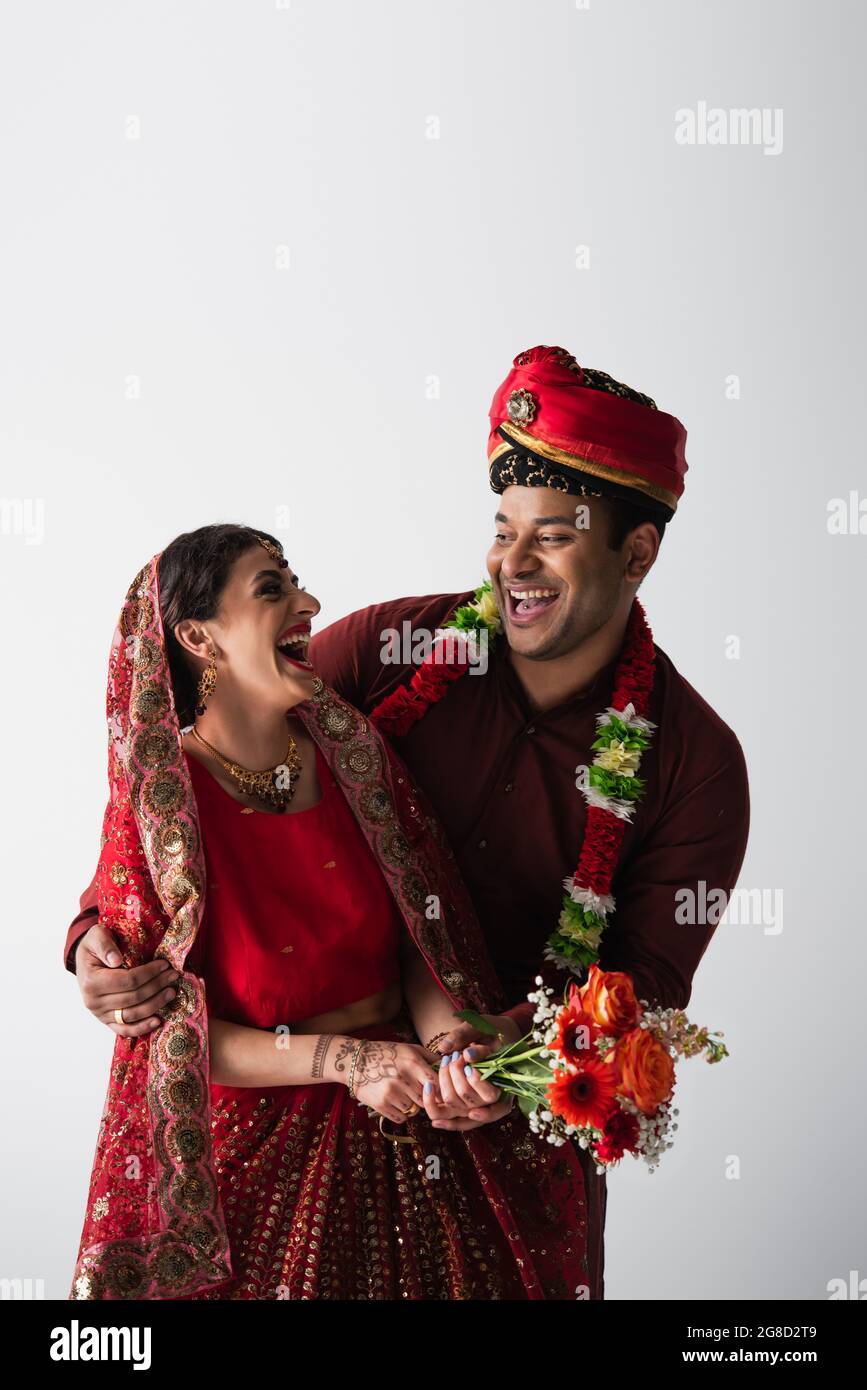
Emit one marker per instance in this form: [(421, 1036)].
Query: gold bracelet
[(428, 1047), (355, 1057)]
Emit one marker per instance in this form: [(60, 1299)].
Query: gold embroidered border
[(567, 460), (357, 757), (191, 1248)]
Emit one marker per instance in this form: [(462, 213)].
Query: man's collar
[(597, 691)]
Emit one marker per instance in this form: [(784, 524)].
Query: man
[(589, 473)]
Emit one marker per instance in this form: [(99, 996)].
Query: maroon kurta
[(503, 780)]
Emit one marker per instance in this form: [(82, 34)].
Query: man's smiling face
[(556, 582)]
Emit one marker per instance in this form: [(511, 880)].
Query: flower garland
[(613, 787)]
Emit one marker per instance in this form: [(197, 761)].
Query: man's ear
[(190, 635), (642, 547)]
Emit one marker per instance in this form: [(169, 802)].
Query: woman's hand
[(464, 1035), (389, 1076), (466, 1101)]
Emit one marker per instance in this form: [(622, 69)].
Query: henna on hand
[(344, 1053), (322, 1045), (377, 1061)]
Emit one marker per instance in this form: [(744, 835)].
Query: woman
[(245, 1149)]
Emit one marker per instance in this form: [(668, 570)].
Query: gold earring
[(207, 681)]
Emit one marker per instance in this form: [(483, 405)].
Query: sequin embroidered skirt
[(320, 1205)]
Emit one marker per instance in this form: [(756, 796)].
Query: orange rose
[(609, 998), (646, 1069)]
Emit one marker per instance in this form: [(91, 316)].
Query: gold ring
[(412, 1109), (118, 1016)]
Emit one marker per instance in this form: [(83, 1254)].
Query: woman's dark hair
[(193, 572)]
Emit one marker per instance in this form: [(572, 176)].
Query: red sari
[(211, 1192)]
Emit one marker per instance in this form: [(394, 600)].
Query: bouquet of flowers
[(599, 1067)]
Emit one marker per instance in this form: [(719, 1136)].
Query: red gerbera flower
[(585, 1097), (576, 1036), (619, 1135)]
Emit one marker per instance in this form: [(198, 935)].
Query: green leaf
[(466, 618), (628, 788), (574, 950)]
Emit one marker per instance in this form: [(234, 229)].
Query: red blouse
[(298, 918)]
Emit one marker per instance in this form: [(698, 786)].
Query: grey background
[(261, 388)]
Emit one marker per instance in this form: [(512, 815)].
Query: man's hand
[(106, 986), (468, 1100)]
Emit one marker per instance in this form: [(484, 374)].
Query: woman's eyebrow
[(273, 574)]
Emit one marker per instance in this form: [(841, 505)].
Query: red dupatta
[(154, 1226)]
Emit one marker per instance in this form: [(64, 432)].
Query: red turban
[(596, 431)]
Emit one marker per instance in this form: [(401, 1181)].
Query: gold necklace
[(264, 786)]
